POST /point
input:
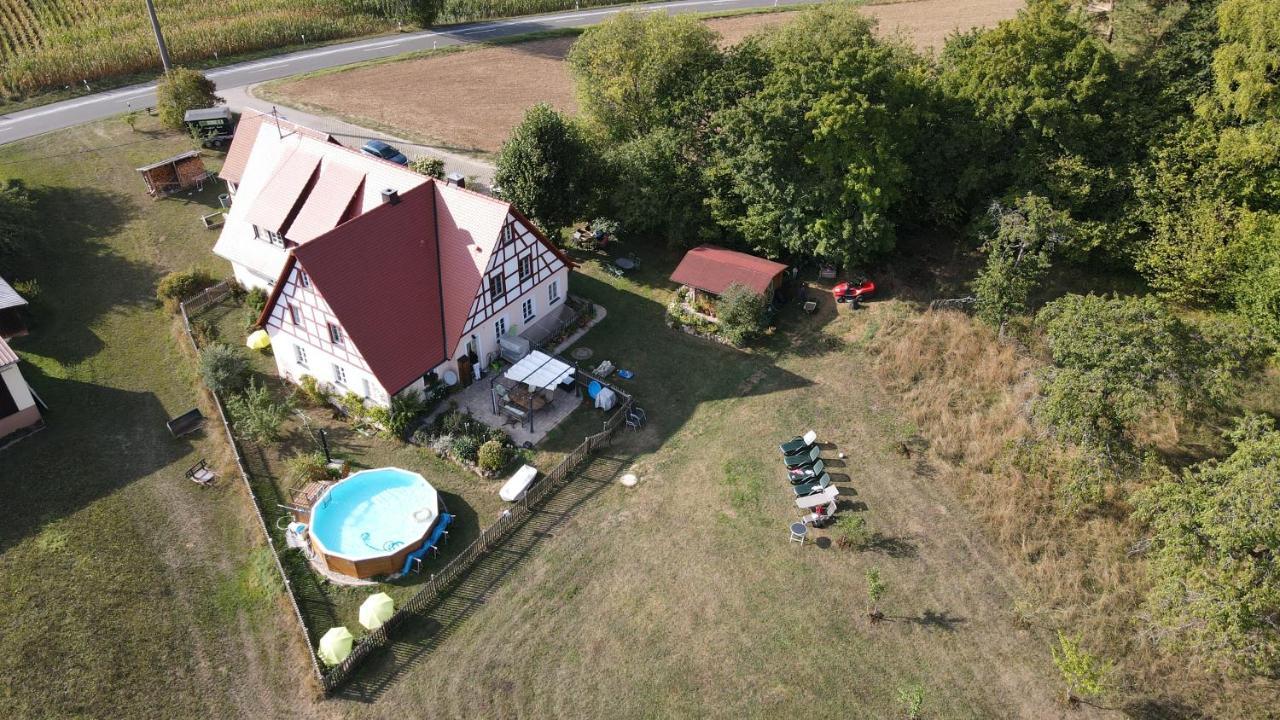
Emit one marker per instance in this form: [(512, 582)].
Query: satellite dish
[(450, 378)]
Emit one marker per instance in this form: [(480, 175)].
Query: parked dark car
[(377, 148)]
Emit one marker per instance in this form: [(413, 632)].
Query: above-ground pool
[(368, 523)]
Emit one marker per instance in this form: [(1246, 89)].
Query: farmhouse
[(711, 269), (377, 291), (18, 409)]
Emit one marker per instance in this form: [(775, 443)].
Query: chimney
[(390, 196), (456, 178)]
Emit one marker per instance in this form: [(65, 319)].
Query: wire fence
[(440, 581), (201, 301)]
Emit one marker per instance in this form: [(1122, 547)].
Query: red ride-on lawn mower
[(854, 291)]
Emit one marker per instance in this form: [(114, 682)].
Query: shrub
[(180, 90), (851, 532), (405, 408), (353, 407), (224, 369), (466, 448), (257, 414), (205, 332), (255, 299), (19, 228), (314, 392), (740, 311), (499, 436), (493, 456), (182, 284), (307, 467), (429, 166)]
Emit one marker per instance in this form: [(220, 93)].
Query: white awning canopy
[(539, 370)]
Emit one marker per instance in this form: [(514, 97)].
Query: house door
[(465, 375)]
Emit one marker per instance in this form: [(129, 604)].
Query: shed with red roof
[(712, 269)]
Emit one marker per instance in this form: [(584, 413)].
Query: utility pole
[(155, 27)]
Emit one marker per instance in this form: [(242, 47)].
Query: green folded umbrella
[(335, 646), (376, 610)]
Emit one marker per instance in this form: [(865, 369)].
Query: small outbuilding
[(711, 269), (18, 411), (175, 174), (11, 304)]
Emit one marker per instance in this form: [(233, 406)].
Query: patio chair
[(805, 474), (803, 458), (799, 444), (809, 488), (200, 473)]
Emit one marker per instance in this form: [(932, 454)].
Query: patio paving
[(476, 400)]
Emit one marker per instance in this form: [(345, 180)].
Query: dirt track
[(469, 101)]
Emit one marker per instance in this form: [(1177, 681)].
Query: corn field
[(47, 44)]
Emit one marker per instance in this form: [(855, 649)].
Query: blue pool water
[(374, 513)]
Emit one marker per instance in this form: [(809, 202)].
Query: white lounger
[(518, 483), (822, 498)]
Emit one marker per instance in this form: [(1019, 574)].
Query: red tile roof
[(714, 269), (325, 204), (379, 274), (279, 200), (246, 135), (7, 355)]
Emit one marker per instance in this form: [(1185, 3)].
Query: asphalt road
[(56, 116)]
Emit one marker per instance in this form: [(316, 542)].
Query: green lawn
[(130, 592), (125, 590)]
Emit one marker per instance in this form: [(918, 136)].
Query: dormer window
[(268, 236), (497, 288)]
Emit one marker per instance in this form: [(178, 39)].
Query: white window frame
[(527, 258), (368, 388), (300, 355), (339, 375), (500, 328), (303, 280), (295, 317), (335, 333), (497, 287), (528, 310), (553, 292)]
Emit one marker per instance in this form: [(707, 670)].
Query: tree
[(19, 229), (632, 71), (1115, 359), (851, 532), (740, 314), (257, 414), (814, 163), (224, 368), (180, 90), (1084, 674), (1019, 250), (1052, 96), (429, 166), (656, 187), (545, 169), (876, 588), (1215, 552)]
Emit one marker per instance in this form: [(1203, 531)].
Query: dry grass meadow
[(469, 100)]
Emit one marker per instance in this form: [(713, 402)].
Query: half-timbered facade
[(409, 288), (310, 340), (525, 280)]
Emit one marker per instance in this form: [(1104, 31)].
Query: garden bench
[(187, 422)]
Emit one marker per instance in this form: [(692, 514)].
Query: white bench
[(518, 483)]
